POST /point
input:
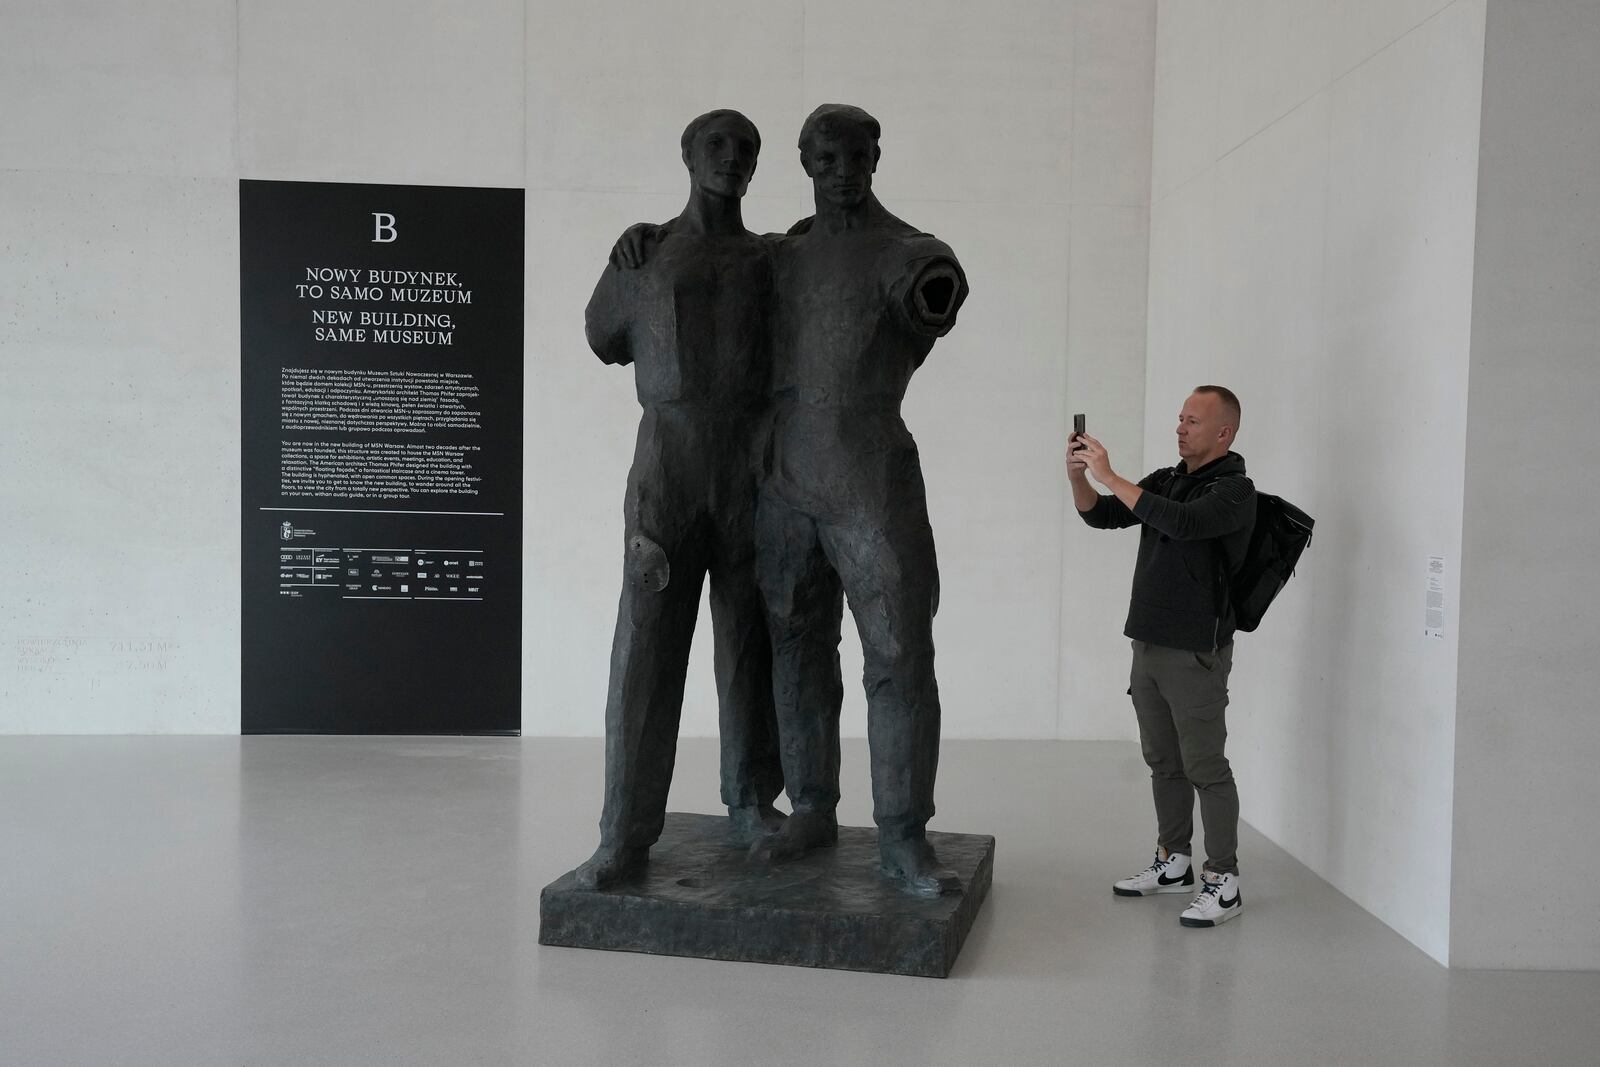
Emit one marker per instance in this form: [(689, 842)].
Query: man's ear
[(877, 154)]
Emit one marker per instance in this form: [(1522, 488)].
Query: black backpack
[(1282, 531)]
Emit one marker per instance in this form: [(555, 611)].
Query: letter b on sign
[(383, 229)]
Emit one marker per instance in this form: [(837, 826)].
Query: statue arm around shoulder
[(633, 248)]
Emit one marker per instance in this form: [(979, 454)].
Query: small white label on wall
[(1433, 615)]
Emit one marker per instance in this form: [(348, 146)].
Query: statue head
[(720, 149), (839, 151)]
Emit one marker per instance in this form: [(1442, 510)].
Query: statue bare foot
[(750, 823), (612, 865), (912, 864), (800, 833)]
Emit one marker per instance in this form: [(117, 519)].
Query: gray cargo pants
[(1180, 698)]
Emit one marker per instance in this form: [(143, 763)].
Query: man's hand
[(1084, 497), (1094, 457), (632, 249), (1075, 462)]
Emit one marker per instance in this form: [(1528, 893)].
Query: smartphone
[(1077, 428)]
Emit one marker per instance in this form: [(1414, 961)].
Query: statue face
[(840, 162), (723, 157)]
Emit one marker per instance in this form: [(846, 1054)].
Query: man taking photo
[(1194, 527)]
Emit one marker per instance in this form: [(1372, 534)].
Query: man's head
[(720, 149), (839, 151), (1207, 425)]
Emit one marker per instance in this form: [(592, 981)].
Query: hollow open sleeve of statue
[(929, 291), (844, 510), (691, 323)]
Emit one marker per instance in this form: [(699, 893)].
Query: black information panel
[(382, 430)]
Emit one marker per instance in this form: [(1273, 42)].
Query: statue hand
[(632, 249)]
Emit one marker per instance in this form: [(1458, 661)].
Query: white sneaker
[(1218, 901), (1170, 873)]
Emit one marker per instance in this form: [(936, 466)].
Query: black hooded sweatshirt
[(1179, 589)]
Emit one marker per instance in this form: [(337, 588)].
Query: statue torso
[(699, 333), (844, 350)]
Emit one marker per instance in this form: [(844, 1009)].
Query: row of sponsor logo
[(321, 574), (405, 587), (323, 558)]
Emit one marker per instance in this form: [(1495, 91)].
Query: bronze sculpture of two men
[(771, 456)]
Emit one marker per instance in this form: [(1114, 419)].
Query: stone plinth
[(830, 908)]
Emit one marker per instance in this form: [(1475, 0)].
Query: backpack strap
[(1222, 581), (1161, 479)]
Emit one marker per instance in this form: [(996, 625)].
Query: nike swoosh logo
[(1164, 880), (1226, 904)]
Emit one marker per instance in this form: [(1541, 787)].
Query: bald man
[(1194, 527)]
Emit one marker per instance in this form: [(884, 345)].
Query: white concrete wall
[(1312, 223), (1018, 131), (119, 343), (1527, 734)]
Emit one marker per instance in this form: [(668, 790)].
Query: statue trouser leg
[(752, 774), (804, 608), (649, 658), (890, 577)]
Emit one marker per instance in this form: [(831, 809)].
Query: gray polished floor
[(350, 901)]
